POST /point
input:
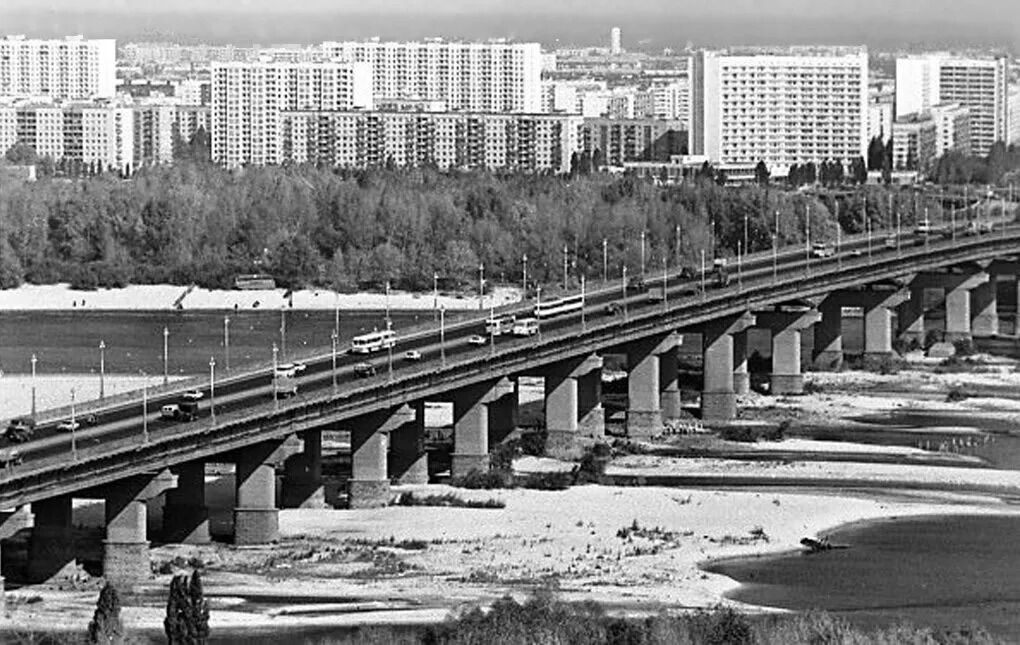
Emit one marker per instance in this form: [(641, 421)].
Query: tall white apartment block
[(880, 120), (496, 76), (952, 123), (669, 100), (248, 98), (980, 84), (154, 133), (615, 42), (73, 68), (1013, 114), (783, 107)]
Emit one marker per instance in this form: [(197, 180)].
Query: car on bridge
[(822, 250), (364, 370), (193, 395), (9, 457), (20, 430), (68, 425), (184, 410), (891, 241), (412, 356), (477, 339)]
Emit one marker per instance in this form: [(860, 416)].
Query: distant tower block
[(614, 42)]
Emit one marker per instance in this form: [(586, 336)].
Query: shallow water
[(936, 571)]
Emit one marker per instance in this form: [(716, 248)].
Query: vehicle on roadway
[(923, 231), (412, 356), (891, 241), (68, 425), (558, 307), (613, 309), (183, 410), (655, 294), (499, 325), (20, 429), (477, 339), (193, 395), (364, 370), (526, 327), (9, 457), (822, 250), (373, 342)]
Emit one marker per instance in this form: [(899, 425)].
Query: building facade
[(73, 68), (362, 139), (980, 84), (248, 99), (915, 139), (478, 77), (619, 141), (153, 134), (952, 123), (781, 106)]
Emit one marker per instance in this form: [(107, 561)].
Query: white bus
[(526, 327), (498, 325), (374, 342), (558, 307)]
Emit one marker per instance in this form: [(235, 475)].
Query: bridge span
[(132, 456)]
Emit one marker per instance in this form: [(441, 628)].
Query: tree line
[(196, 223)]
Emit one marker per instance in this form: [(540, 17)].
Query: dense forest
[(197, 223)]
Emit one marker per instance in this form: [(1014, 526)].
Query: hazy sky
[(653, 22)]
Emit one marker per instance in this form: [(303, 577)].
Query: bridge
[(131, 455)]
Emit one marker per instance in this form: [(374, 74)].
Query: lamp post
[(283, 332), (102, 370), (33, 385), (584, 327), (775, 258), (276, 394), (212, 388), (74, 444), (166, 335), (389, 355), (897, 232), (740, 272), (623, 291), (642, 255), (927, 223), (746, 234), (226, 340), (538, 308), (807, 236), (145, 409), (703, 286), (524, 282), (336, 313), (387, 301), (442, 335), (435, 295), (334, 341), (679, 256), (481, 286), (868, 225), (491, 326), (665, 282), (565, 252), (605, 260)]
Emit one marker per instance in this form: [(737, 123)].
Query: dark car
[(364, 370), (20, 430)]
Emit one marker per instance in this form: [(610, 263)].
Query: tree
[(876, 152), (859, 171), (187, 611), (106, 627), (761, 174), (22, 154), (596, 160)]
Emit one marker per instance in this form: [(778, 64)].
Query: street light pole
[(775, 258), (226, 340), (283, 332), (867, 223), (584, 327), (679, 256), (212, 388), (642, 255), (335, 339), (746, 234), (538, 308), (524, 282), (387, 303), (389, 355), (703, 286), (740, 272), (102, 370), (145, 409), (807, 236), (435, 295), (276, 394), (33, 385), (442, 335), (565, 252), (481, 286), (336, 313), (166, 334), (665, 282), (74, 443), (605, 260)]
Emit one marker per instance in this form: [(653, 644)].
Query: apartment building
[(72, 68), (1013, 114), (781, 106), (620, 141), (492, 77), (496, 141), (93, 135), (915, 141), (979, 84), (952, 123), (248, 99), (880, 119), (153, 133)]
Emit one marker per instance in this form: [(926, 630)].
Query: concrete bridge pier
[(563, 410), (256, 518), (408, 460), (51, 546), (741, 374), (786, 328), (669, 380), (369, 486), (984, 308), (910, 315), (126, 548), (644, 383), (503, 411), (827, 351), (718, 398), (302, 474), (471, 428), (185, 515), (878, 323), (958, 304)]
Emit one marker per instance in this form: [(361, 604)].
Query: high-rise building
[(494, 76), (979, 84), (619, 141), (249, 97), (952, 128), (915, 137), (1013, 114), (154, 133), (880, 120), (69, 69), (781, 106), (615, 44), (360, 139)]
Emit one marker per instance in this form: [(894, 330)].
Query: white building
[(1013, 113), (781, 106), (880, 120), (668, 100), (493, 76), (615, 42), (976, 83), (248, 98), (952, 123), (154, 133), (69, 69)]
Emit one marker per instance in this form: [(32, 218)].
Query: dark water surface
[(68, 342), (942, 572)]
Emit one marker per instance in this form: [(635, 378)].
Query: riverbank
[(61, 297)]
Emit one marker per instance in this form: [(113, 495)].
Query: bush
[(449, 500), (904, 345), (561, 480), (742, 434), (931, 337), (187, 611), (483, 480), (778, 432), (501, 457), (964, 347), (592, 468), (106, 626), (533, 443), (957, 394)]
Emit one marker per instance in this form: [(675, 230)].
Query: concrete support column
[(984, 309), (563, 408), (877, 333), (741, 375), (369, 486), (958, 283), (126, 547), (503, 411), (471, 428), (591, 415), (256, 518), (51, 547), (185, 515), (827, 353), (718, 399), (911, 316), (644, 414), (302, 474), (669, 382), (957, 315), (786, 327), (408, 461)]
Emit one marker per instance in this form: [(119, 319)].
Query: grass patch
[(957, 394), (446, 499)]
